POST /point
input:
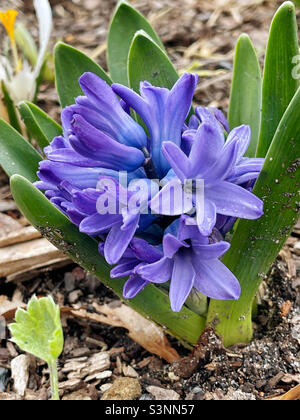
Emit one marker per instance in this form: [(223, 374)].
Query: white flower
[(19, 78)]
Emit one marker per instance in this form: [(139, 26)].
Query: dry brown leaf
[(292, 395), (148, 335)]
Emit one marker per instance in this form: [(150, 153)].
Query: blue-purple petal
[(133, 286), (182, 282), (215, 280)]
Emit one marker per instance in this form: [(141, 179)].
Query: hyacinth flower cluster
[(160, 239), (154, 196)]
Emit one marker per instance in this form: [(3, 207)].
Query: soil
[(267, 367)]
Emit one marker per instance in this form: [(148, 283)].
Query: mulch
[(199, 36)]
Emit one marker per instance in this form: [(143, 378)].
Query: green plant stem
[(54, 380)]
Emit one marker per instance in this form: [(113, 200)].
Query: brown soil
[(270, 364)]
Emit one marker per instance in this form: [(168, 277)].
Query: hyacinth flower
[(90, 144), (137, 254), (214, 161), (121, 223), (190, 260), (141, 121), (163, 111), (99, 135), (87, 127)]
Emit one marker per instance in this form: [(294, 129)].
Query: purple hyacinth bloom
[(245, 169), (164, 113), (190, 260), (100, 138), (102, 109), (138, 253), (101, 141), (120, 223), (212, 160)]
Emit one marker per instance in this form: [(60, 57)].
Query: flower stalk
[(54, 380)]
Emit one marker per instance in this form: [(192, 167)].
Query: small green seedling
[(38, 331)]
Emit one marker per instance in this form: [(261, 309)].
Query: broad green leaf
[(125, 23), (70, 64), (245, 99), (153, 303), (147, 61), (279, 86), (17, 156), (39, 124), (11, 109), (256, 243), (38, 330)]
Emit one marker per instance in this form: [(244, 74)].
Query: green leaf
[(125, 23), (153, 303), (17, 156), (279, 86), (38, 330), (70, 64), (297, 3), (256, 243), (147, 61), (11, 109), (26, 43), (39, 124), (245, 100)]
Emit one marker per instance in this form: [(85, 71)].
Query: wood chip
[(145, 362), (5, 396), (129, 371), (7, 205), (116, 350), (99, 376), (105, 387), (20, 373), (277, 378), (80, 395), (285, 309), (83, 367), (20, 235), (27, 256), (163, 394), (97, 343), (71, 385), (288, 378), (33, 272), (11, 348), (8, 225)]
